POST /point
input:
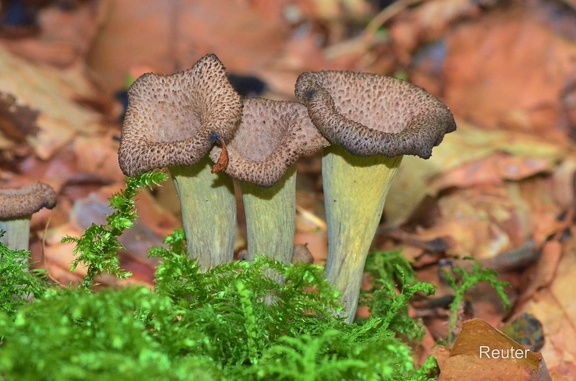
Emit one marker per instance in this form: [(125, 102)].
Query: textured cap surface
[(270, 139), (170, 118), (25, 201), (370, 114)]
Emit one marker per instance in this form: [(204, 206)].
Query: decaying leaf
[(98, 155), (545, 269), (174, 34), (481, 352), (51, 93), (555, 309), (488, 80), (16, 121), (471, 156), (222, 162)]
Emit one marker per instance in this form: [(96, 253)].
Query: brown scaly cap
[(170, 118), (25, 201), (270, 139), (370, 114)]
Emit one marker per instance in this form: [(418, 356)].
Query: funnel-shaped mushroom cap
[(370, 114), (272, 136), (25, 201), (170, 118)]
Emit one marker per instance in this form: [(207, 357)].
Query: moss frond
[(98, 247), (17, 283)]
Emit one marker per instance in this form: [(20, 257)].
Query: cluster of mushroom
[(364, 123)]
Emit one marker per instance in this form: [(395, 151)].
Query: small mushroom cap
[(370, 114), (272, 136), (170, 118), (25, 201)]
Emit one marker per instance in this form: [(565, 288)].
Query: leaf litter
[(500, 190)]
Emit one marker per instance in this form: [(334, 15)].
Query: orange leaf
[(222, 162)]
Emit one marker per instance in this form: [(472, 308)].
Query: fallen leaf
[(481, 352), (97, 155), (487, 80), (172, 35), (494, 169), (51, 93), (545, 270), (16, 121), (555, 309), (222, 162)]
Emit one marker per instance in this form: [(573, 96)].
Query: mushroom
[(16, 209), (272, 136), (172, 121), (371, 121)]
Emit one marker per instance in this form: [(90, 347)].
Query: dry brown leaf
[(51, 92), (172, 35), (64, 37), (470, 156), (484, 221), (222, 162), (545, 270), (555, 309), (482, 352), (334, 11), (311, 231), (426, 23), (98, 155), (16, 121), (492, 170), (487, 78), (563, 182)]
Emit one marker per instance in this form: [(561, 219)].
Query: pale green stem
[(355, 190), (208, 212), (271, 217), (17, 233)]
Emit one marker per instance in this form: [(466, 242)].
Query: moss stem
[(355, 190), (208, 212)]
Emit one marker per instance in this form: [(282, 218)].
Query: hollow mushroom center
[(174, 113), (376, 102), (261, 133)]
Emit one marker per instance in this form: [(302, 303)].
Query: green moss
[(394, 285), (234, 322), (461, 281), (98, 247), (17, 284)]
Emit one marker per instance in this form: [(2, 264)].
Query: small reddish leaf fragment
[(222, 162), (16, 122)]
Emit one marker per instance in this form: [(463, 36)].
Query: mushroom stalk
[(171, 122), (208, 212), (262, 156), (16, 209), (372, 121), (271, 217), (352, 221), (16, 233)]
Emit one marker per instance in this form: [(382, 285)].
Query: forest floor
[(501, 189)]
